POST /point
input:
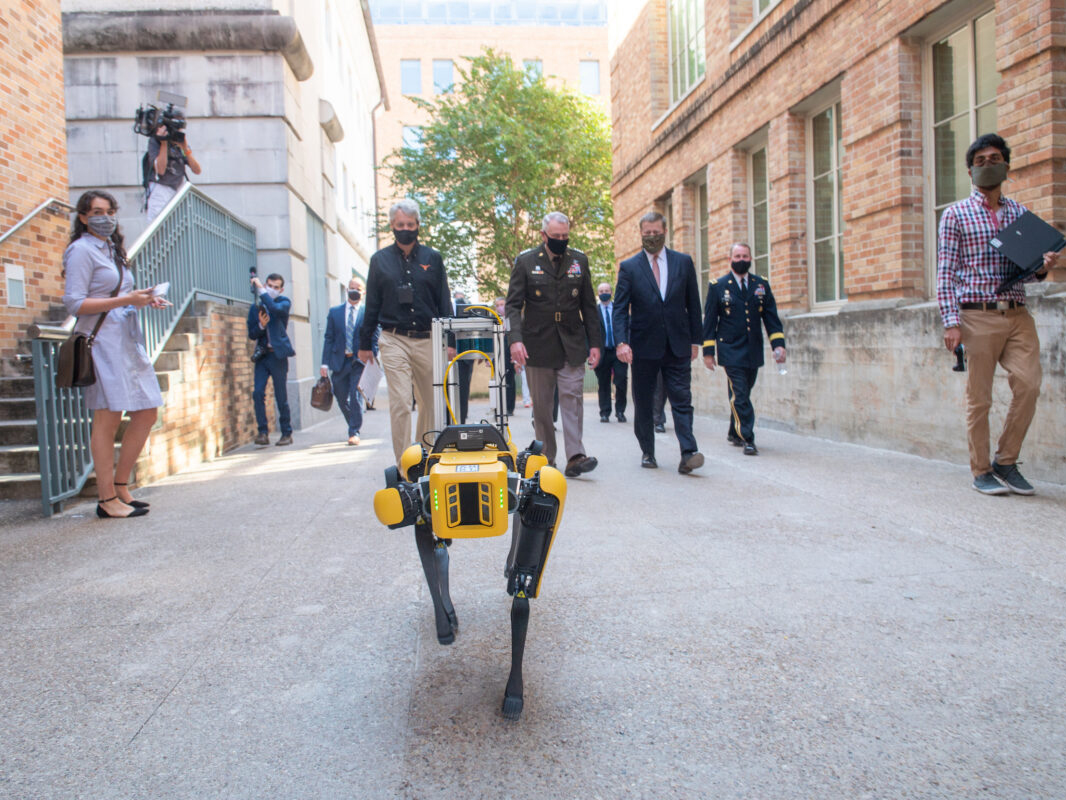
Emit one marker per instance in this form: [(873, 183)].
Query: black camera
[(149, 118)]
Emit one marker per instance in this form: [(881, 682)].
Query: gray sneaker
[(1009, 474), (988, 483)]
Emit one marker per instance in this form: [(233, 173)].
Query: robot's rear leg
[(433, 565), (512, 696)]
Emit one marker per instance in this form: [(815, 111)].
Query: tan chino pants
[(408, 365), (542, 383), (1008, 338)]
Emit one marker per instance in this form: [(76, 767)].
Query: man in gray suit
[(554, 328)]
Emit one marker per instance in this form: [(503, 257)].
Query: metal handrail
[(49, 204), (201, 249)]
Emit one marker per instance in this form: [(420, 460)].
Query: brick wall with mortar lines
[(207, 408), (882, 121), (896, 396), (32, 161)]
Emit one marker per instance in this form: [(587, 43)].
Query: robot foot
[(453, 618), (447, 635), (512, 707)]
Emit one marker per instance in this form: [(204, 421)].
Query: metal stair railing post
[(203, 250)]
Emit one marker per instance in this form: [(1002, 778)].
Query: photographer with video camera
[(167, 164)]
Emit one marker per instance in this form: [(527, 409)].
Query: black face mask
[(605, 297), (405, 237), (354, 295), (741, 267), (558, 246)]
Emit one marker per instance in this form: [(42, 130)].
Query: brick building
[(33, 169), (831, 135)]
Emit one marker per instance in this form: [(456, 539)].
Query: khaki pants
[(408, 364), (542, 383), (1008, 338)]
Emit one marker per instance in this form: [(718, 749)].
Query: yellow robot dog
[(467, 482)]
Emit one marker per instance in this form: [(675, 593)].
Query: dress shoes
[(621, 417), (648, 461), (605, 418), (750, 449), (660, 428), (689, 462), (284, 440), (734, 440), (353, 440), (579, 464), (262, 440)]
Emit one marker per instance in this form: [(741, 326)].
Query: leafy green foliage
[(498, 153)]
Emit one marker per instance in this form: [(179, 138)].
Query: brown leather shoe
[(353, 440), (579, 464), (262, 440), (284, 440)]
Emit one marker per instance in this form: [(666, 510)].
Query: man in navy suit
[(268, 319), (610, 369), (658, 330), (339, 346)]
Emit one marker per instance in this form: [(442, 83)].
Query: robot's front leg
[(436, 568), (536, 520), (512, 695)]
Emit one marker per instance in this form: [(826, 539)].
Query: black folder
[(1024, 243)]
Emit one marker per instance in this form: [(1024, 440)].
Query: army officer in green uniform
[(554, 329)]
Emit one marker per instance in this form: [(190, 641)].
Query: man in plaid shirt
[(993, 328)]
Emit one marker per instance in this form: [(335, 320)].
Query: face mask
[(989, 176), (405, 237), (354, 295), (102, 225), (741, 267), (605, 297), (558, 246), (273, 293), (653, 242)]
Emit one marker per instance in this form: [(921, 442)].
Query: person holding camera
[(267, 320), (168, 169), (406, 288), (99, 281)]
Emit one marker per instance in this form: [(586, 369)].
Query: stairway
[(20, 477)]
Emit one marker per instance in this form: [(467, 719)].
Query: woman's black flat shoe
[(100, 512), (134, 503)]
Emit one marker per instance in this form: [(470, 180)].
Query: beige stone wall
[(33, 153), (872, 368)]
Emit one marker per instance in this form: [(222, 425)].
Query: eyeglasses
[(982, 161)]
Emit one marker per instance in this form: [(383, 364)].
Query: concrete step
[(14, 408), (20, 486), (180, 343), (164, 380), (191, 323), (19, 458), (18, 431), (16, 386), (168, 362)]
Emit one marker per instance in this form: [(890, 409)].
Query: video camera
[(148, 118)]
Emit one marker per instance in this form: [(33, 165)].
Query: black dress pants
[(741, 412), (658, 408), (609, 370), (676, 372)]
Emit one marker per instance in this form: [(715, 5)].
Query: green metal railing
[(197, 246)]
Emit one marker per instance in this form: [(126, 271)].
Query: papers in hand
[(368, 382)]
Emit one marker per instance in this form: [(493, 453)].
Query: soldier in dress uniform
[(738, 305), (554, 328)]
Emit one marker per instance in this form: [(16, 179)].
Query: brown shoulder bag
[(75, 367)]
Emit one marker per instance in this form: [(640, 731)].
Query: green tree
[(498, 153)]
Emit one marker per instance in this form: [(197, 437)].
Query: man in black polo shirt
[(406, 288)]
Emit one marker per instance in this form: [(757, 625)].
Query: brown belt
[(999, 305), (410, 334)]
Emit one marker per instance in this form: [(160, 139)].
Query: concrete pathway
[(823, 621)]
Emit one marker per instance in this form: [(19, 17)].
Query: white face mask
[(272, 292)]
